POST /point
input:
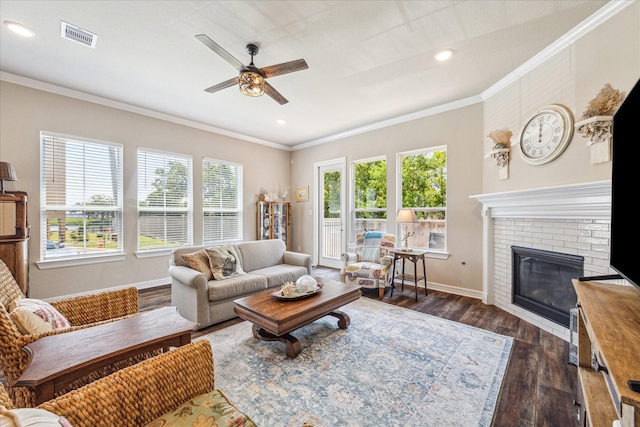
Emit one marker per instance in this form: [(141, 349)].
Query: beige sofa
[(267, 264)]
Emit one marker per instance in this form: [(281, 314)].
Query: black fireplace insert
[(541, 282)]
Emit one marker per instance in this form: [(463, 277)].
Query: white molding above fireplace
[(591, 200)]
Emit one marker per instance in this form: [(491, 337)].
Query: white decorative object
[(598, 129), (305, 284), (500, 152)]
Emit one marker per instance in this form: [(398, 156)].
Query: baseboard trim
[(456, 290)]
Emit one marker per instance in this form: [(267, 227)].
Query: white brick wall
[(584, 237)]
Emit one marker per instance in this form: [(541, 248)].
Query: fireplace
[(541, 282)]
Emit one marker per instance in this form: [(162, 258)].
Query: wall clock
[(546, 134)]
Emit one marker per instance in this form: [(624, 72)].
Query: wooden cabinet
[(608, 353), (274, 221), (14, 237)]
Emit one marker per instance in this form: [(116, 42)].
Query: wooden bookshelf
[(608, 353)]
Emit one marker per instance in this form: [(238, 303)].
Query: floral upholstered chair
[(370, 265)]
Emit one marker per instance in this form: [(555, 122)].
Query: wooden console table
[(414, 256), (608, 353), (57, 360)]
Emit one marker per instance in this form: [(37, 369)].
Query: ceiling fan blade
[(269, 90), (284, 68), (220, 51), (223, 85)]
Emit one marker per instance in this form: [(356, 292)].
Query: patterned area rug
[(391, 367)]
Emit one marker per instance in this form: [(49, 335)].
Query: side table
[(414, 256)]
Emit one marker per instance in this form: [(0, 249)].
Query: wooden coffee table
[(57, 360), (273, 319)]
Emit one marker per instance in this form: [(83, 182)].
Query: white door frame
[(341, 164)]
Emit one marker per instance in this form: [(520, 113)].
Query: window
[(81, 190), (423, 187), (165, 207), (222, 201), (369, 195)]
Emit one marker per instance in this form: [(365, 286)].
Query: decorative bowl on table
[(299, 289)]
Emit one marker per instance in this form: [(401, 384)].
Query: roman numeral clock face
[(546, 134)]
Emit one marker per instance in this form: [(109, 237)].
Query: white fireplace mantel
[(590, 200)]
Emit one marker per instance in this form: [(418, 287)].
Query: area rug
[(391, 367)]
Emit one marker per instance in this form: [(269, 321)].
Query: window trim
[(86, 259)]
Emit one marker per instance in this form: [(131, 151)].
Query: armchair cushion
[(210, 409), (32, 315)]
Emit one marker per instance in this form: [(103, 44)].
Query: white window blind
[(165, 201), (81, 197), (369, 209), (423, 187), (222, 201)]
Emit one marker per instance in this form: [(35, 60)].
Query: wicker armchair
[(140, 394), (82, 312)]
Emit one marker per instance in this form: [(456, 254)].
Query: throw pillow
[(32, 316), (31, 417), (224, 262), (199, 261)]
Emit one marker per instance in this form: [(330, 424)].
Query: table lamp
[(7, 173), (406, 216)]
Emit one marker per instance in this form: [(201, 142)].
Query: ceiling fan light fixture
[(251, 83)]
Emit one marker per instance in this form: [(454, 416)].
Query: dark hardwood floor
[(539, 384)]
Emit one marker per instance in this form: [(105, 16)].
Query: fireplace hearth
[(541, 282)]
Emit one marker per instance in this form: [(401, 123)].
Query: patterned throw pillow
[(31, 417), (199, 261), (224, 262), (211, 409), (32, 316)]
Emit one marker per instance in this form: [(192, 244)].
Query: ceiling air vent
[(76, 34)]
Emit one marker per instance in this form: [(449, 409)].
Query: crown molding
[(83, 96)]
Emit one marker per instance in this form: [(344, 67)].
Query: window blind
[(165, 206), (222, 201), (81, 197)]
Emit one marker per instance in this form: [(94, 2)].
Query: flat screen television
[(625, 233)]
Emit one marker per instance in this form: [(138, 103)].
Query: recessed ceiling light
[(19, 29), (444, 54), (281, 122)]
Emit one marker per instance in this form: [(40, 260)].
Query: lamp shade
[(7, 172), (406, 216)]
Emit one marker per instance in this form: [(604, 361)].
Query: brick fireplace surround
[(572, 219)]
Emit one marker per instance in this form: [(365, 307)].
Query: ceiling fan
[(251, 79)]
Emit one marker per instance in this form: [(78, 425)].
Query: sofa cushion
[(210, 409), (261, 253), (224, 262), (32, 316), (281, 273), (236, 287), (199, 261)]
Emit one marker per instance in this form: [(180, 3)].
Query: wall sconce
[(406, 216), (7, 173), (500, 152)]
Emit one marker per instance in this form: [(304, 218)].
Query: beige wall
[(24, 112), (461, 131), (574, 76)]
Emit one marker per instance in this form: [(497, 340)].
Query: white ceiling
[(369, 61)]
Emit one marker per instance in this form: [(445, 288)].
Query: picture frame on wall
[(302, 194)]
